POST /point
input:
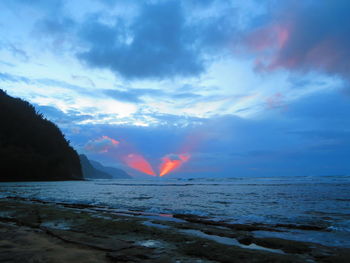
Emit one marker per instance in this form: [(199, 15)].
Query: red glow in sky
[(114, 142), (139, 163), (271, 36), (101, 145), (170, 163)]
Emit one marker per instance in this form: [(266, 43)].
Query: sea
[(322, 201)]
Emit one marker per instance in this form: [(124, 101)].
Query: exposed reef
[(36, 231)]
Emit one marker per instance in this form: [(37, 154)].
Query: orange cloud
[(101, 145)]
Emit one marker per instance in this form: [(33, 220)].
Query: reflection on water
[(229, 241)]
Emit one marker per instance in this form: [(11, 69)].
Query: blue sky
[(244, 88)]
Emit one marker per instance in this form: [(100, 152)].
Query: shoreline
[(66, 232)]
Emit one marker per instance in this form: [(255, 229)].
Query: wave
[(145, 184)]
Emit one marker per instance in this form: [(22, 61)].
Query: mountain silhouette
[(33, 148), (89, 171), (116, 173)]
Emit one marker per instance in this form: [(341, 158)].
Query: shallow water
[(320, 201), (229, 241)]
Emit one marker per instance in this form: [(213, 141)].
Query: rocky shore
[(36, 231)]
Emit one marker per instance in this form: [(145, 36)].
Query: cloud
[(53, 8), (66, 85), (4, 76), (160, 39), (15, 50), (304, 36), (276, 101), (101, 145), (157, 44), (186, 95), (13, 78), (123, 96), (58, 26), (52, 5), (309, 138), (292, 132), (84, 79), (59, 117), (177, 157), (132, 95)]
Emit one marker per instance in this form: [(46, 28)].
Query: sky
[(188, 88)]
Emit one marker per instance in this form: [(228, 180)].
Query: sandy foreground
[(34, 231)]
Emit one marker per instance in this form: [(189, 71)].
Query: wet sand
[(35, 231)]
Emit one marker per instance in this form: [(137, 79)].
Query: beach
[(40, 231)]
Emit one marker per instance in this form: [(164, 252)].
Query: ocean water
[(317, 201)]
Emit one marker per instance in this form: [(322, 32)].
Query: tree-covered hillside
[(31, 147)]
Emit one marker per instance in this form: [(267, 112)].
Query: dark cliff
[(31, 147)]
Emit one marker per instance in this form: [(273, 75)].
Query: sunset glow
[(139, 163), (176, 123), (172, 162), (101, 145), (242, 87), (114, 142)]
